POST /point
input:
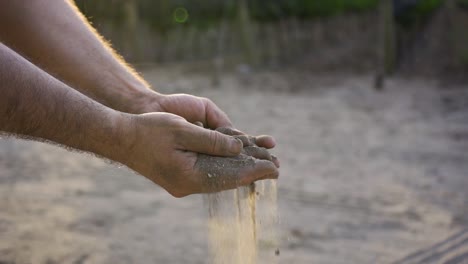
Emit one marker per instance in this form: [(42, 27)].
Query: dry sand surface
[(366, 177)]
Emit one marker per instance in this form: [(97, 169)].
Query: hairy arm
[(36, 105), (55, 36), (163, 147)]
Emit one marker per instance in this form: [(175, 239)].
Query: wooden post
[(387, 44), (130, 9), (218, 58), (457, 36), (246, 34), (389, 36)]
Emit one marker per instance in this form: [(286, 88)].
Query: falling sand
[(243, 224)]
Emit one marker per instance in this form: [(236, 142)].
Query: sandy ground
[(366, 177)]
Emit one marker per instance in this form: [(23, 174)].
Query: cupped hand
[(192, 108), (185, 159), (198, 109)]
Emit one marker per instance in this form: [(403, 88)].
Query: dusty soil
[(366, 177), (221, 173)]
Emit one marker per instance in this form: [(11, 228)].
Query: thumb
[(210, 142)]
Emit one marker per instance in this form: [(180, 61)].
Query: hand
[(196, 109), (190, 107), (170, 151)]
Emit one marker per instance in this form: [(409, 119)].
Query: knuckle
[(215, 141), (179, 131), (178, 125), (207, 101)]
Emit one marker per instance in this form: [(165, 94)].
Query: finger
[(229, 131), (268, 177), (276, 161), (217, 173), (206, 141), (258, 153), (261, 153), (263, 170), (260, 141), (198, 123), (265, 141), (247, 141)]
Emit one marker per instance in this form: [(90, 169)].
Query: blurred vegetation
[(418, 12), (161, 15), (463, 3), (306, 9), (198, 28)]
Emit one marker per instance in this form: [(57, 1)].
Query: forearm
[(55, 36), (33, 104)]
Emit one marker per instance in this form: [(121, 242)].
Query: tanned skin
[(75, 91)]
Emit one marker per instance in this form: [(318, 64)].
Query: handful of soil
[(254, 163)]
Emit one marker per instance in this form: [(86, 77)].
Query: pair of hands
[(167, 146)]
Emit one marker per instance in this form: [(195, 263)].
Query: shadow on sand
[(453, 250)]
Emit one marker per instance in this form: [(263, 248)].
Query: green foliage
[(420, 12), (331, 7), (361, 5), (322, 7), (425, 7), (463, 3), (159, 14), (99, 11), (464, 58), (272, 10)]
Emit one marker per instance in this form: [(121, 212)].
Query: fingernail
[(236, 146), (198, 123), (237, 131)]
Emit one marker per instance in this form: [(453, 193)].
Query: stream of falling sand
[(243, 224)]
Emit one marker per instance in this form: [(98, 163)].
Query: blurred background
[(411, 36), (368, 102)]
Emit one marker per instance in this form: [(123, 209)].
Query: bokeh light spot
[(180, 15)]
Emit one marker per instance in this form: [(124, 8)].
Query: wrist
[(146, 101), (128, 94), (136, 97), (112, 135)]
